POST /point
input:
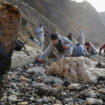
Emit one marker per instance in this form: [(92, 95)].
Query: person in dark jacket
[(62, 46), (69, 36), (102, 48)]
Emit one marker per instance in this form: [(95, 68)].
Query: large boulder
[(75, 69), (20, 58)]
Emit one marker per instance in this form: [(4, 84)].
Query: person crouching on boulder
[(62, 47)]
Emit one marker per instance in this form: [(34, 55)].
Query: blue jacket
[(79, 50)]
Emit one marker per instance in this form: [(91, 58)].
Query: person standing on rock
[(58, 33), (62, 47), (40, 34), (81, 38), (79, 50)]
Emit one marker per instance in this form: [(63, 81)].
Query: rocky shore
[(30, 85)]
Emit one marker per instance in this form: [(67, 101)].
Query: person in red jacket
[(91, 48), (101, 48), (88, 45)]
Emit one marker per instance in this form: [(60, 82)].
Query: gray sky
[(98, 4)]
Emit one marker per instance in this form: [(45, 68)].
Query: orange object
[(38, 59), (65, 47)]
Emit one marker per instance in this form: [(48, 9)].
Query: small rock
[(46, 99), (68, 100), (66, 83), (58, 102), (24, 79), (92, 94), (23, 103), (47, 90), (101, 91), (38, 85), (12, 98), (31, 64), (75, 86), (93, 101), (39, 100), (37, 70), (64, 94)]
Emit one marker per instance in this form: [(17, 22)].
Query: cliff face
[(102, 15), (66, 15)]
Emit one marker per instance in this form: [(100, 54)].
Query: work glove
[(65, 47), (38, 60)]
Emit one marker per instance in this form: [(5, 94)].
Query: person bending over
[(62, 47)]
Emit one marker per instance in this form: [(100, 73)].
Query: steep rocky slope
[(66, 15), (102, 15), (72, 16)]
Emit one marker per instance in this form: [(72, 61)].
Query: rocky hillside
[(102, 15), (65, 15), (71, 16)]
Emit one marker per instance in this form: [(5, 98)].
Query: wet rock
[(80, 100), (48, 91), (37, 70), (59, 87), (92, 94), (75, 86), (31, 64), (68, 100), (23, 103), (50, 80), (66, 83), (39, 100), (58, 102), (101, 91), (46, 99), (38, 85), (93, 101), (63, 94), (24, 79), (12, 98)]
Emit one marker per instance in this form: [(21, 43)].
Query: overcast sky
[(98, 4)]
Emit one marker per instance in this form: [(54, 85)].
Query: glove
[(65, 47), (38, 60)]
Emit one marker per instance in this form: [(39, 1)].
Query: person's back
[(93, 50), (79, 50), (81, 39), (40, 34)]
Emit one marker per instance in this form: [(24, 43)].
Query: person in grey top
[(81, 38), (62, 46), (79, 50), (40, 34)]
